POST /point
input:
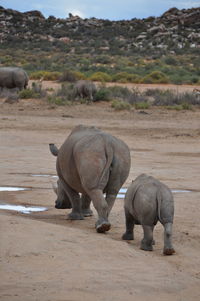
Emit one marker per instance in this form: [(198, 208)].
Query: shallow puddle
[(7, 188), (122, 192), (45, 176), (22, 209), (120, 196)]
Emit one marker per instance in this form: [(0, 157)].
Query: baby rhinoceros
[(147, 200)]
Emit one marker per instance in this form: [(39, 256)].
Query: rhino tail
[(53, 149), (109, 156), (159, 201)]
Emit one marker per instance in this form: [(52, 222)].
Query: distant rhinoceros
[(147, 200), (13, 77), (84, 89), (90, 162)]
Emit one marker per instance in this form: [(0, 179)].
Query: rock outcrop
[(175, 29)]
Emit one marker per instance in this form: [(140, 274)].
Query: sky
[(100, 9)]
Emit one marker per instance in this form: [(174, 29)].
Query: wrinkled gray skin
[(13, 77), (90, 162), (148, 201), (84, 89)]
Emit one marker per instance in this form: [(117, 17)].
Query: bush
[(152, 92), (187, 106), (46, 75), (189, 98), (125, 77), (120, 105), (141, 105), (119, 92), (71, 76), (28, 93), (64, 96), (123, 93), (100, 77), (60, 101), (103, 94), (175, 107), (171, 60), (37, 89), (155, 77)]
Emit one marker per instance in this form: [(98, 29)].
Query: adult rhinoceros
[(13, 77), (90, 162), (84, 89), (147, 200)]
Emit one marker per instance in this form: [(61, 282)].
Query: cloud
[(76, 12)]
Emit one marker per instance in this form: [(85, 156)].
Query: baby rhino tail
[(53, 149)]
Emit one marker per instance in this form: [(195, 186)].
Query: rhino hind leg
[(76, 213), (168, 248), (63, 204), (128, 235), (147, 241), (102, 225), (86, 211)]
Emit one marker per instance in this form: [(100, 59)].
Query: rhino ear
[(53, 149), (55, 188)]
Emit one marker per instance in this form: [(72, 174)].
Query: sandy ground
[(45, 257)]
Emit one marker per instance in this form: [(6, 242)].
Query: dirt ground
[(45, 257)]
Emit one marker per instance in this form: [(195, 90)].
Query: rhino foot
[(146, 247), (168, 251), (62, 205), (127, 236), (87, 212), (75, 216), (103, 227)]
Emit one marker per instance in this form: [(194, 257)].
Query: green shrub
[(141, 105), (46, 75), (171, 60), (28, 93), (125, 77), (37, 89), (71, 76), (122, 93), (187, 106), (119, 92), (175, 107), (152, 92), (120, 105), (100, 77), (58, 100), (103, 94), (155, 77)]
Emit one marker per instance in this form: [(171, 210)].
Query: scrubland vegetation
[(175, 69), (120, 98)]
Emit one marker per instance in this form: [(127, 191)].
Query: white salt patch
[(47, 176), (123, 190), (22, 209), (120, 196), (12, 188)]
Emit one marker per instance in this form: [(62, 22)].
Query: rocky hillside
[(175, 30)]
